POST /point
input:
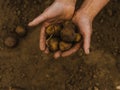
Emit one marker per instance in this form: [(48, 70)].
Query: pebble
[(109, 11)]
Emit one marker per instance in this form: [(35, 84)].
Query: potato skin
[(68, 34), (78, 37), (50, 30), (64, 46), (53, 30), (53, 44)]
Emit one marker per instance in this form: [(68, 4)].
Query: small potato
[(68, 34), (64, 46), (53, 30), (57, 29), (50, 30), (20, 31), (78, 37), (53, 44), (10, 41), (69, 24)]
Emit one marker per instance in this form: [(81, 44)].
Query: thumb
[(86, 45), (85, 27)]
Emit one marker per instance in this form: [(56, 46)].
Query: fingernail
[(87, 51), (30, 24)]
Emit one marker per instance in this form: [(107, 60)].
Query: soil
[(27, 67)]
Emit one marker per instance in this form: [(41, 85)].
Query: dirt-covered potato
[(78, 37), (10, 41), (64, 46), (57, 29), (53, 44), (20, 31), (62, 36), (53, 30), (50, 30), (69, 24), (68, 34)]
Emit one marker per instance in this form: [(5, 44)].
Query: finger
[(43, 36), (47, 51), (74, 49), (42, 39), (85, 27), (87, 39), (38, 20), (57, 54), (49, 13)]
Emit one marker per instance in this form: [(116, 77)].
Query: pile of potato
[(62, 36)]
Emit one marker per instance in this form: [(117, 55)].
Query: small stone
[(101, 20), (10, 42), (109, 11), (20, 31), (118, 65)]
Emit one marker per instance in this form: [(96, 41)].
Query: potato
[(50, 30), (53, 30), (20, 31), (69, 24), (68, 34), (62, 38), (53, 44), (57, 29), (64, 46), (78, 37), (10, 41)]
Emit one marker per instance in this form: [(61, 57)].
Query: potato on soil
[(10, 41), (78, 37), (20, 31), (64, 46), (53, 44), (68, 34)]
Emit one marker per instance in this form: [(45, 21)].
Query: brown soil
[(27, 67)]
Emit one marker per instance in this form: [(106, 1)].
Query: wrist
[(92, 7), (67, 1)]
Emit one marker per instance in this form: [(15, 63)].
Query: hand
[(58, 11), (84, 23), (83, 18)]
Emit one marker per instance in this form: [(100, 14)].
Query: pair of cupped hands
[(59, 11)]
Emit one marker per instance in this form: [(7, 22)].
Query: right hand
[(60, 10)]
